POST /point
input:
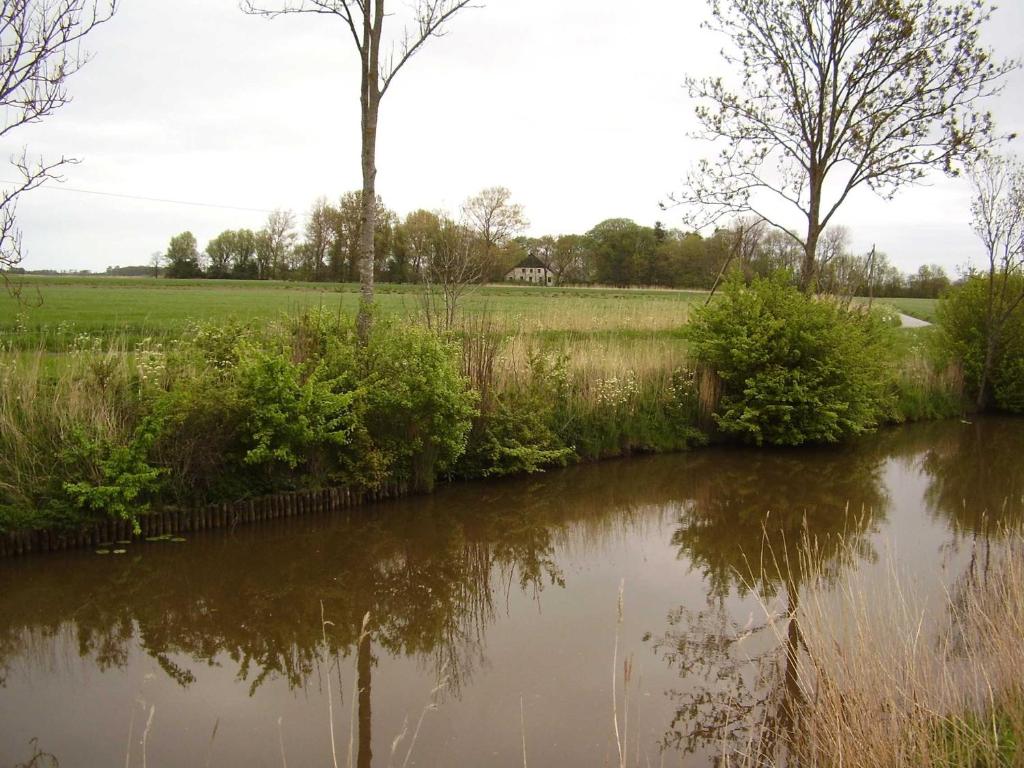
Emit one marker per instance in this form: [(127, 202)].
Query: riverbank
[(110, 537), (233, 412)]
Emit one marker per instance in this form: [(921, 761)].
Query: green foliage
[(516, 433), (304, 404), (288, 411), (183, 257), (793, 369), (992, 740), (967, 328), (927, 383), (623, 252), (113, 480), (620, 415), (197, 422), (416, 404)]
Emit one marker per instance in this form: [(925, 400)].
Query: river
[(482, 622)]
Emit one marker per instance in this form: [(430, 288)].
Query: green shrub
[(112, 481), (516, 433), (624, 414), (288, 410), (794, 369), (416, 406), (962, 315), (926, 381)]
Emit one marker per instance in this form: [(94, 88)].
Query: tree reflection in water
[(744, 530), (435, 573), (427, 583), (975, 477), (431, 574)]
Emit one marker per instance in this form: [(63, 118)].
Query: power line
[(61, 188)]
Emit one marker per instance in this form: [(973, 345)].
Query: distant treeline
[(485, 242), (139, 270)]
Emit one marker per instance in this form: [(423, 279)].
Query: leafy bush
[(114, 481), (962, 315), (516, 432), (794, 369), (620, 415), (287, 412), (415, 404), (304, 405)]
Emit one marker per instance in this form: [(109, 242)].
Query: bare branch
[(431, 16), (40, 48), (365, 21)]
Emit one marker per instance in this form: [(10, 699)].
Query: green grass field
[(147, 306), (604, 328), (923, 309)]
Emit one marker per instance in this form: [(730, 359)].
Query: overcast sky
[(577, 106)]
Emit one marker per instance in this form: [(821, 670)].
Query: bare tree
[(454, 268), (319, 238), (744, 238), (998, 219), (495, 220), (834, 95), (833, 244), (278, 241), (40, 48), (364, 19), (780, 251)]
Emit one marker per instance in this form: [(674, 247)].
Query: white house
[(530, 270)]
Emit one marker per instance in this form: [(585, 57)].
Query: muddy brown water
[(490, 611)]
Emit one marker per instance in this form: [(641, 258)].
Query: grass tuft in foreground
[(879, 676)]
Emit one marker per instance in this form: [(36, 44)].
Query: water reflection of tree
[(746, 529), (430, 573), (426, 582), (975, 477)]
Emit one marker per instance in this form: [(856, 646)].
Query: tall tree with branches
[(40, 48), (997, 213), (833, 95), (364, 20), (495, 220)]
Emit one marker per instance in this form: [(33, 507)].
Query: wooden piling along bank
[(178, 521)]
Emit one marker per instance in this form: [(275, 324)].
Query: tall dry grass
[(42, 404), (587, 316), (890, 676), (594, 363)]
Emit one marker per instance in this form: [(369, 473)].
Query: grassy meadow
[(150, 306), (624, 325), (605, 333), (606, 330)]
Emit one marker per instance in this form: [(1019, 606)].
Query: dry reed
[(887, 677)]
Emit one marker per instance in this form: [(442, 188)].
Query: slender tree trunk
[(368, 223), (370, 105), (810, 263)]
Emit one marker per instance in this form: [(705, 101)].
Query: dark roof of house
[(530, 261)]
